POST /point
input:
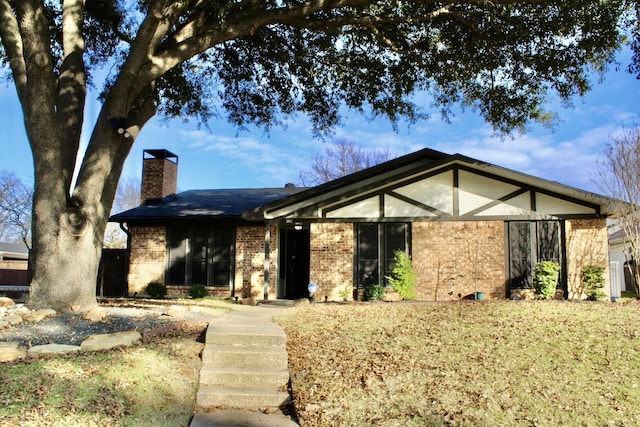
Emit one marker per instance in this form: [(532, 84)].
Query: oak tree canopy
[(261, 62)]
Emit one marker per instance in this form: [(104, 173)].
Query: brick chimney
[(159, 175)]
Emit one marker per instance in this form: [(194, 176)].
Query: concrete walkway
[(244, 373)]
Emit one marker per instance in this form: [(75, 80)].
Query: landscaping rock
[(11, 351), (52, 350), (177, 311), (13, 319), (6, 302), (20, 309), (38, 315), (109, 341), (96, 314)]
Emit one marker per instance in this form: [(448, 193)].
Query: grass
[(465, 364), (486, 363), (151, 384)]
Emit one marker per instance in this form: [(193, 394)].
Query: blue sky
[(223, 158)]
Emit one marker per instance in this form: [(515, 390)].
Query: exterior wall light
[(120, 125)]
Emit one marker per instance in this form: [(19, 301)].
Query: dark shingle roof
[(206, 204)]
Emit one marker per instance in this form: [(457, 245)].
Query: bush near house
[(198, 291), (593, 282), (546, 279), (374, 292), (156, 290), (402, 277)]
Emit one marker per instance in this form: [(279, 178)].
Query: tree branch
[(12, 43), (72, 79), (240, 21)]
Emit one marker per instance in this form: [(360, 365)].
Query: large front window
[(200, 256), (375, 246), (531, 242)]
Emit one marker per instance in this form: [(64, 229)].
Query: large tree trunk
[(64, 268), (68, 231)]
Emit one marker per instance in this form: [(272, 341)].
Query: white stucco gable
[(436, 186)]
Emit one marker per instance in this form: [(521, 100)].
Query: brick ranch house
[(469, 226)]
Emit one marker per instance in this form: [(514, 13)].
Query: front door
[(294, 262)]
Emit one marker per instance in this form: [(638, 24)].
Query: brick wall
[(453, 259), (587, 244), (250, 247), (331, 259), (159, 178), (147, 257)]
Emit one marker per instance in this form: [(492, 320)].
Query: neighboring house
[(469, 226), (14, 269), (14, 252), (621, 263)]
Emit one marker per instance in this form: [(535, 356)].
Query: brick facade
[(331, 260), (451, 259), (159, 178), (456, 259), (147, 257), (250, 262), (587, 244)]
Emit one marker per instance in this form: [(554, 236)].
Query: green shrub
[(402, 278), (373, 292), (593, 282), (198, 291), (156, 290), (546, 279), (346, 292)]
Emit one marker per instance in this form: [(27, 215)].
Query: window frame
[(216, 238), (384, 254), (536, 250)]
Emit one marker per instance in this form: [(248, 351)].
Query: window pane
[(368, 272), (368, 241), (548, 235), (177, 257), (376, 246), (222, 257), (395, 240), (520, 255), (199, 254)]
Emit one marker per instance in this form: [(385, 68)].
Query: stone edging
[(12, 314)]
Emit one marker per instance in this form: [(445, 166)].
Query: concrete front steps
[(244, 367)]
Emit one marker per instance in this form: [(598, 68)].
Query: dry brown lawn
[(152, 384), (488, 363)]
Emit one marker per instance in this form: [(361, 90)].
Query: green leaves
[(593, 281), (263, 62), (402, 278), (546, 279)]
